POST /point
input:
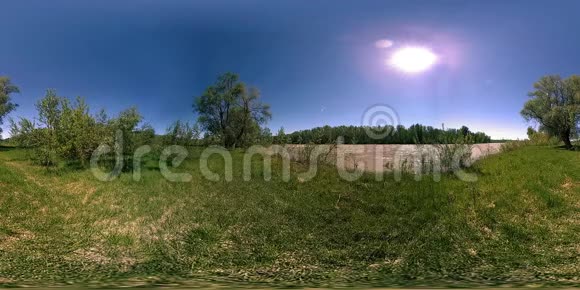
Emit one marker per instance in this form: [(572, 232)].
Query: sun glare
[(413, 59)]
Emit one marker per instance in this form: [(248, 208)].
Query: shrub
[(534, 139), (67, 131), (183, 134)]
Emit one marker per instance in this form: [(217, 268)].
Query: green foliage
[(512, 145), (542, 138), (281, 137), (78, 133), (67, 131), (555, 105), (266, 137), (144, 135), (127, 123), (6, 104), (231, 112), (22, 133), (531, 131), (184, 134), (535, 138), (453, 146), (416, 134)]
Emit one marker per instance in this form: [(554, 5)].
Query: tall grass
[(536, 139)]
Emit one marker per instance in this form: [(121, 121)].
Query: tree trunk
[(565, 136)]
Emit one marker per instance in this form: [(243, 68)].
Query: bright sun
[(413, 59)]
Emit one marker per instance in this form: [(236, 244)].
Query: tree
[(77, 135), (127, 123), (555, 105), (531, 132), (265, 137), (230, 111), (464, 131), (183, 134), (22, 133), (281, 137), (49, 115), (145, 134), (6, 105)]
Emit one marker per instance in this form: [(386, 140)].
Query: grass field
[(519, 224)]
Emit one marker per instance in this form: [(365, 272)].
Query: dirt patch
[(384, 157), (94, 255), (132, 228), (98, 256), (569, 183), (78, 188), (11, 240), (154, 231)]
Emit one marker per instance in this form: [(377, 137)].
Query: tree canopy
[(6, 104), (555, 105), (231, 112)]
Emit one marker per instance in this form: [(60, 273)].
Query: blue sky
[(315, 62)]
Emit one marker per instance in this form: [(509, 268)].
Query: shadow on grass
[(107, 165), (575, 147), (4, 148)]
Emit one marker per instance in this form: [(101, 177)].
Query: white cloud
[(384, 43)]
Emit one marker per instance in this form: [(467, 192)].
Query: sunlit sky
[(316, 62)]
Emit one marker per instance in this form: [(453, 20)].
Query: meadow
[(518, 224)]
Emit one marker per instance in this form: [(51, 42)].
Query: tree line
[(415, 134), (231, 114)]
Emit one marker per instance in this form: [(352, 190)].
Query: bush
[(67, 131), (183, 134), (540, 138), (513, 145), (534, 139)]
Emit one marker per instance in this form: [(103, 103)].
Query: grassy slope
[(519, 223)]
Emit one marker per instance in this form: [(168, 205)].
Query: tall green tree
[(49, 115), (77, 133), (555, 105), (127, 123), (231, 111), (281, 137), (6, 104)]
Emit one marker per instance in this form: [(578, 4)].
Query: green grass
[(518, 224)]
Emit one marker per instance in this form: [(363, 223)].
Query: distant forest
[(415, 134)]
